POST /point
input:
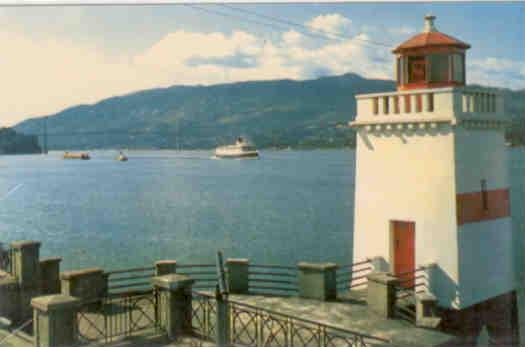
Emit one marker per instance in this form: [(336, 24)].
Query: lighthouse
[(432, 182)]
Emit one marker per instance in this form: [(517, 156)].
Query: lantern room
[(430, 60)]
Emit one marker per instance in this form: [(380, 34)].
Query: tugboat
[(122, 157), (241, 149), (82, 156)]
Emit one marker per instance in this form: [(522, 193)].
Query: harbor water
[(285, 207)]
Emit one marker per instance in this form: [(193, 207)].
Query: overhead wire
[(333, 35)]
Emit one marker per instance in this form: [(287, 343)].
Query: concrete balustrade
[(165, 267), (237, 275), (317, 280), (426, 310), (26, 263), (84, 284), (175, 291), (381, 293), (54, 320), (50, 275)]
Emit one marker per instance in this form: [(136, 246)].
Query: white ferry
[(241, 149)]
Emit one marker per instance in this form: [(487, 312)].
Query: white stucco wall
[(409, 176), (481, 154), (517, 207), (485, 260), (485, 248)]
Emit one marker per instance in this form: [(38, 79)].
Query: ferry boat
[(241, 149), (82, 156)]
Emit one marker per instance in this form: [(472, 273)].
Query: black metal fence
[(108, 318), (126, 280), (272, 279), (279, 280), (205, 275), (353, 276), (411, 283), (203, 315), (257, 327)]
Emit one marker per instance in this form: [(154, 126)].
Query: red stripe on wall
[(471, 208)]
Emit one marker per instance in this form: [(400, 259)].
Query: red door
[(404, 251)]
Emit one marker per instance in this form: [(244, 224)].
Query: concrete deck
[(351, 312), (15, 340)]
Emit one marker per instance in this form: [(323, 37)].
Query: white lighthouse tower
[(432, 182)]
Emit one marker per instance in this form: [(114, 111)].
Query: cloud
[(330, 24), (497, 72), (42, 76)]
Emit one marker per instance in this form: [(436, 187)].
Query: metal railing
[(205, 275), (263, 279), (108, 318), (126, 280), (272, 279), (353, 276), (203, 315), (410, 284), (257, 327)]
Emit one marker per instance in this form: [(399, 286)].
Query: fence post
[(26, 264), (50, 275), (223, 321), (54, 320), (165, 267), (379, 264), (381, 293), (84, 284), (176, 289), (237, 275), (317, 281)]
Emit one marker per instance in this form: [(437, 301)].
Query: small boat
[(241, 149), (122, 157), (82, 156)]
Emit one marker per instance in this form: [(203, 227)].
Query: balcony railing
[(427, 105)]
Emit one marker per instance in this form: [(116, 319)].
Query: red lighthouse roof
[(430, 37)]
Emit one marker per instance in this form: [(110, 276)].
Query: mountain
[(13, 143), (277, 113)]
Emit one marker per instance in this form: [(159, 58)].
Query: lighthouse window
[(439, 67), (416, 69), (458, 71)]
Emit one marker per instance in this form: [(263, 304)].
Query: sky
[(54, 57)]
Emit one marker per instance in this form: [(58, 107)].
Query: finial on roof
[(429, 23)]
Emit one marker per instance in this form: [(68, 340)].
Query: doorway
[(403, 250)]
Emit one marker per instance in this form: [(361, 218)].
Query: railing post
[(54, 320), (223, 322), (165, 267), (84, 284), (237, 275), (381, 293), (426, 315), (176, 289), (379, 264), (50, 275), (317, 281), (26, 264)]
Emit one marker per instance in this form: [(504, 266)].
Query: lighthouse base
[(498, 315)]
